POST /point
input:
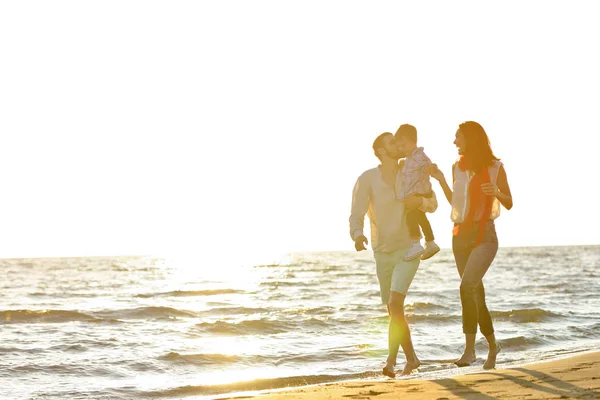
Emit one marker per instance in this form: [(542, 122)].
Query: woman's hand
[(435, 172), (489, 189)]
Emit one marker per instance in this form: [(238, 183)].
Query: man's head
[(406, 139), (385, 146)]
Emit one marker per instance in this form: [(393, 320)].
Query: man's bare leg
[(399, 335), (393, 345)]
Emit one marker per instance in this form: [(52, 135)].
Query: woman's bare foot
[(411, 366), (388, 370), (490, 363), (466, 359)]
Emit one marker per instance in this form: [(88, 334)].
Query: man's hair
[(379, 144), (407, 131)]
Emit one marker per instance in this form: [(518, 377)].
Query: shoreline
[(574, 376)]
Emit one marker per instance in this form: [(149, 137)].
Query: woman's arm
[(501, 190), (439, 176)]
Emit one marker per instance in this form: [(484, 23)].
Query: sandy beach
[(576, 377)]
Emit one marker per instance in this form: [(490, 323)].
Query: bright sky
[(221, 127)]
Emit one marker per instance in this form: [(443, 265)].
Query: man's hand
[(413, 202), (359, 243)]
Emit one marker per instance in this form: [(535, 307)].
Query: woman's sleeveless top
[(460, 194)]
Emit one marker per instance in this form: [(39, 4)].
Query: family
[(397, 194)]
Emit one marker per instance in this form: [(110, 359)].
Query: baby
[(415, 181)]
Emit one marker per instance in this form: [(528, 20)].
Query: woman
[(479, 187)]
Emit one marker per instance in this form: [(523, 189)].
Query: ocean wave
[(533, 254), (121, 267), (313, 323), (63, 295), (425, 318), (247, 327), (295, 284), (544, 287), (50, 316), (204, 359), (326, 355), (269, 266), (521, 342), (25, 264), (258, 384), (523, 315), (80, 346), (190, 293), (424, 306), (358, 308), (269, 326), (323, 310), (357, 273), (50, 368), (433, 318), (234, 311), (517, 316), (586, 331), (99, 343), (42, 316), (65, 369), (18, 350), (369, 293), (105, 316), (71, 348), (147, 313), (351, 352)]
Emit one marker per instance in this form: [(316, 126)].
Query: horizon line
[(282, 252)]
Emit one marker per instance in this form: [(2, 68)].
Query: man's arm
[(361, 197), (429, 204)]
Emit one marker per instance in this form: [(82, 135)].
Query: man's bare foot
[(410, 367), (490, 363), (466, 359), (388, 370)]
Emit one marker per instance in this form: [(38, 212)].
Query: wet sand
[(576, 377)]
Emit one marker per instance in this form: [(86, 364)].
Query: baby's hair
[(407, 131)]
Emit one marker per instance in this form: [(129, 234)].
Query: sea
[(159, 328)]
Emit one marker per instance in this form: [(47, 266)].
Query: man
[(374, 194)]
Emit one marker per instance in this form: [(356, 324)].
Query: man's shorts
[(394, 274)]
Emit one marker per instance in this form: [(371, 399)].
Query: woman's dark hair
[(478, 149)]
